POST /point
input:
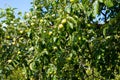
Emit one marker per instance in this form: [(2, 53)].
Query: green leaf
[(68, 8), (108, 3), (32, 66), (95, 8), (72, 20), (118, 1), (104, 31), (70, 25), (101, 1)]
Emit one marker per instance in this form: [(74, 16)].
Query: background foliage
[(61, 40)]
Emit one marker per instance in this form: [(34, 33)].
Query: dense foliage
[(61, 40)]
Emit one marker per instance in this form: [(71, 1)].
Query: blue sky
[(22, 5)]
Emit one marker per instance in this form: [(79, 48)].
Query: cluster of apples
[(62, 23)]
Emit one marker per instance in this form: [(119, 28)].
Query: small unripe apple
[(89, 71), (8, 37), (26, 30), (41, 20), (21, 38), (13, 43), (60, 26), (68, 59), (45, 49), (72, 1), (64, 21), (18, 52), (14, 39), (54, 47), (21, 31), (9, 61), (88, 25), (79, 38), (26, 48), (50, 33), (32, 24)]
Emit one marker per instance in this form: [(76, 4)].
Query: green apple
[(41, 20), (21, 31), (50, 33), (60, 26), (54, 47), (13, 43), (8, 37), (89, 71), (9, 61), (32, 24), (18, 52), (72, 1), (63, 21)]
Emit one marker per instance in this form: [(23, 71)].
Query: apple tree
[(61, 40)]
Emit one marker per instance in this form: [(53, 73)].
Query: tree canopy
[(61, 40)]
